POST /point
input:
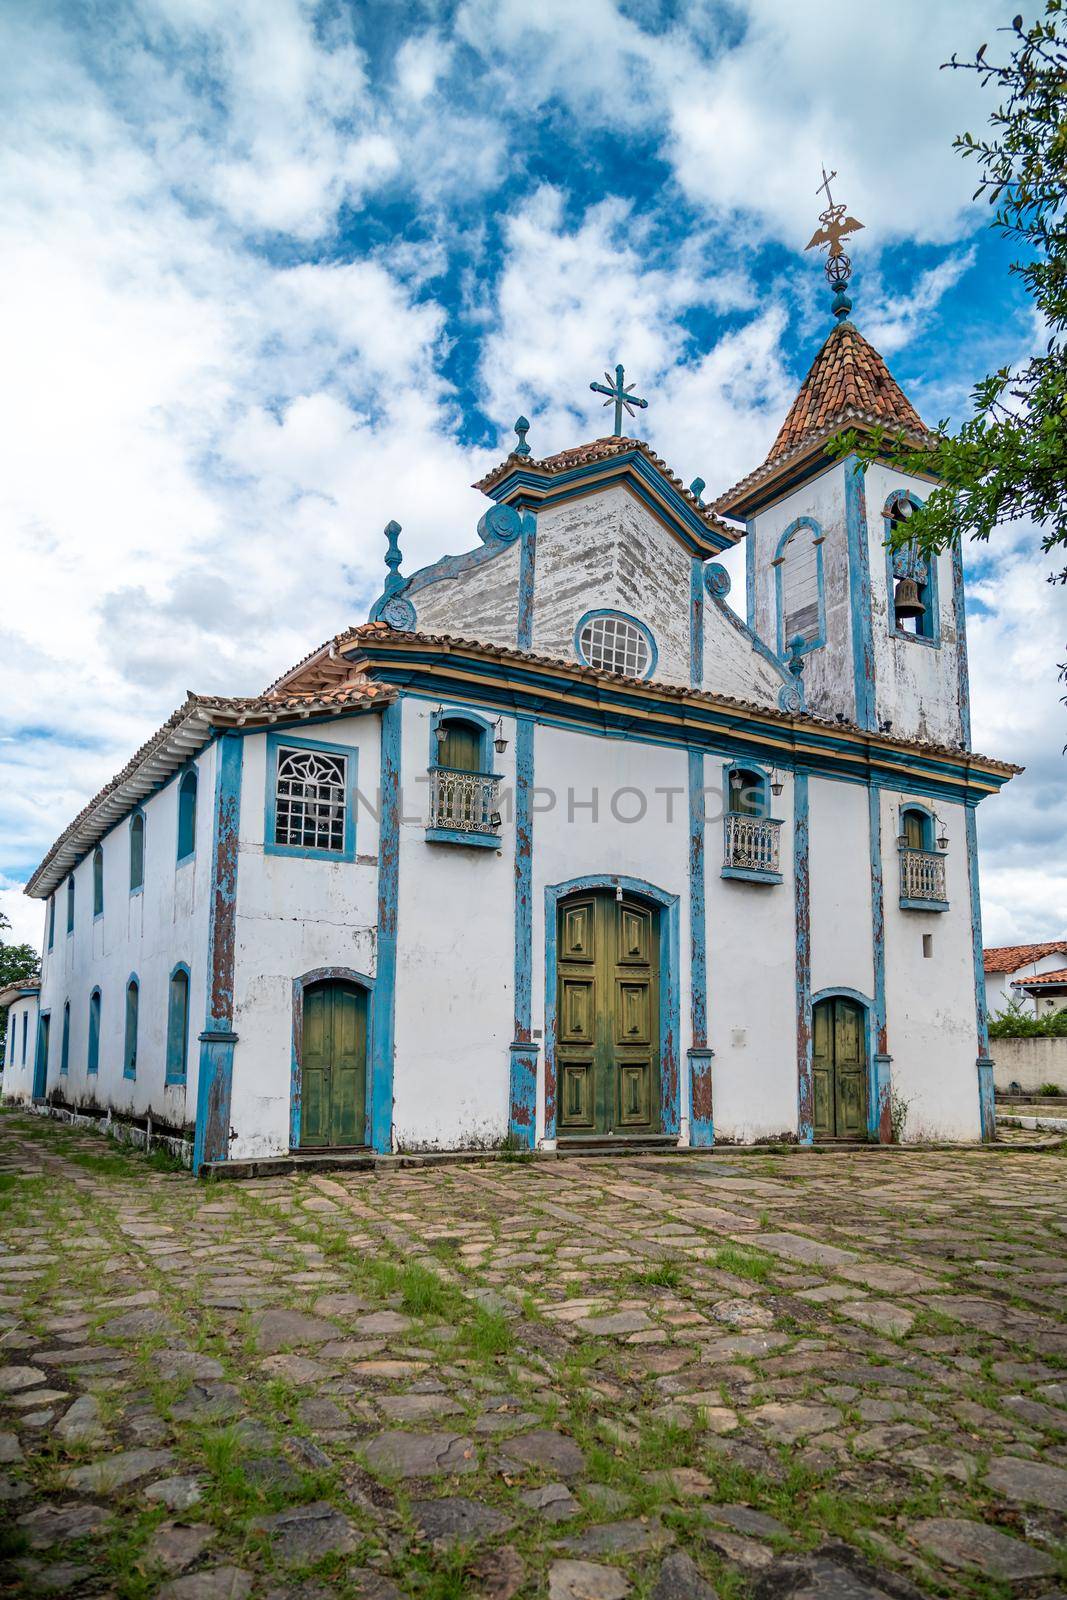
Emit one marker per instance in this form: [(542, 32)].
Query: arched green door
[(333, 1060), (607, 1009), (839, 1069)]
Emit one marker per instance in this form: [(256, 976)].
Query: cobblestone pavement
[(817, 1374)]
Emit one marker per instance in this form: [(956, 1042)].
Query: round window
[(616, 644)]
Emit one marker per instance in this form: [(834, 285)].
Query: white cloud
[(892, 321)]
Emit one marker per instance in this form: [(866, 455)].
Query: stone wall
[(1029, 1062)]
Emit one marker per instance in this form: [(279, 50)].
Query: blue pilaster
[(696, 622), (879, 1122), (522, 1102), (802, 907), (701, 1099), (750, 573), (214, 1088), (984, 1063), (859, 589), (527, 575), (383, 1030), (963, 677)]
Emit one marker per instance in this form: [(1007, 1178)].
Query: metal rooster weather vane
[(834, 228)]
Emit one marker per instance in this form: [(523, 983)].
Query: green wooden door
[(333, 1065), (607, 1009), (839, 1070)]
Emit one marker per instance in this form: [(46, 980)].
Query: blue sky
[(278, 271)]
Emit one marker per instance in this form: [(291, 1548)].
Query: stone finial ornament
[(393, 558), (522, 428)]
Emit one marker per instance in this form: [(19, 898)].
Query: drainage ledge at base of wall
[(123, 1132)]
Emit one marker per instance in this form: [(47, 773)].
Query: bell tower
[(880, 631)]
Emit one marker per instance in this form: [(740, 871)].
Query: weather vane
[(834, 228), (619, 391)]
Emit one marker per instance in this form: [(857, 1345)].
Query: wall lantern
[(942, 838), (777, 784), (902, 840), (500, 744), (440, 732)]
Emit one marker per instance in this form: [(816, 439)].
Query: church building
[(568, 845)]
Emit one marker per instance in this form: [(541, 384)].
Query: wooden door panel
[(576, 943), (634, 1110), (315, 1065), (839, 1070), (577, 1010), (333, 1065), (632, 1011), (823, 1098), (577, 1096), (850, 1119), (633, 930)]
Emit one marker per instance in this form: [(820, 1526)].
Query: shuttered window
[(800, 588)]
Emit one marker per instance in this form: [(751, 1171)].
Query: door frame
[(667, 906), (866, 1005), (296, 1082), (41, 1053)]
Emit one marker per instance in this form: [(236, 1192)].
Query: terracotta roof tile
[(1040, 978), (1010, 957), (848, 374)]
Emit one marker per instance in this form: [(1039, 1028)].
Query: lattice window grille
[(615, 645), (311, 793)]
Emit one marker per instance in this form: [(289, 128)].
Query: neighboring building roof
[(1010, 957), (848, 385), (530, 476), (1042, 980), (17, 991)]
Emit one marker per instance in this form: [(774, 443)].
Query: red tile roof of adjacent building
[(1010, 957), (1040, 978)]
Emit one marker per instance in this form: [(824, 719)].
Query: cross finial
[(619, 392), (393, 558), (522, 428), (835, 227)]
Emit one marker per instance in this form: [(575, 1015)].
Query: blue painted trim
[(296, 1065), (984, 1066), (802, 901), (625, 616), (668, 957), (923, 905), (190, 774), (494, 543), (70, 904), (64, 1050), (928, 591), (859, 594), (522, 1115), (701, 1103), (750, 573), (52, 920), (759, 772), (963, 679), (473, 719), (92, 1048), (384, 1028), (130, 1045), (750, 875), (178, 1072), (868, 1007), (644, 481), (878, 1104), (476, 841), (41, 1051), (214, 1086), (818, 538), (276, 742), (696, 622), (138, 812), (98, 883), (527, 580)]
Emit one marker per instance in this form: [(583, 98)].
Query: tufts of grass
[(661, 1275), (737, 1259)]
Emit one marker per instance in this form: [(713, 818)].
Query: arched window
[(178, 1025), (615, 643), (70, 904), (187, 815), (461, 745), (129, 1051), (911, 576), (799, 586), (747, 793), (311, 800), (51, 921), (25, 1030), (916, 829), (64, 1052), (137, 852), (92, 1064), (98, 882)]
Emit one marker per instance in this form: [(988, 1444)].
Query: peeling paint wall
[(146, 933), (294, 915), (481, 603)]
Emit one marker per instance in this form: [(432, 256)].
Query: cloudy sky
[(274, 272)]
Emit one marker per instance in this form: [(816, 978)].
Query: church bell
[(906, 602)]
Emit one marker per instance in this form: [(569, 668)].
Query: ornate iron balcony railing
[(465, 802), (922, 875), (750, 844)]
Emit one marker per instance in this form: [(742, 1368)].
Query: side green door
[(839, 1070), (333, 1066), (607, 1010)]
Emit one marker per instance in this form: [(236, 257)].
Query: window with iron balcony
[(464, 791), (922, 861), (751, 837)]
